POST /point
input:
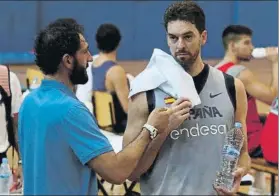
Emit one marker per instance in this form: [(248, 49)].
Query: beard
[(79, 74), (186, 62), (245, 59)]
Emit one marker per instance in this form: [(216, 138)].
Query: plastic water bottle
[(230, 155), (259, 53), (5, 177)]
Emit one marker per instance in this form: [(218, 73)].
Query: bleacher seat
[(103, 109)]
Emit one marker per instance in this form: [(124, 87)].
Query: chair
[(32, 75), (259, 164), (105, 115), (104, 110), (262, 165)]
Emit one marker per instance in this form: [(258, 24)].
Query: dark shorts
[(258, 153), (3, 155)]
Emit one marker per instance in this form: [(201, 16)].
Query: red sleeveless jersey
[(254, 125), (269, 140)]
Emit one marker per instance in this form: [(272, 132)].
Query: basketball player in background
[(269, 138), (237, 41), (185, 160), (106, 75), (10, 101)]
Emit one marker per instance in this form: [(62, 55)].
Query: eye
[(188, 37), (173, 38)]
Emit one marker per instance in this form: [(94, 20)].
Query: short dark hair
[(58, 38), (233, 33), (68, 23), (107, 37), (187, 11)]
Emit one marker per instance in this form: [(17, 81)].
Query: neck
[(108, 56), (60, 78), (103, 57), (229, 57), (196, 68)]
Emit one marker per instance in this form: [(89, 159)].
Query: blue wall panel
[(17, 25), (262, 18), (218, 15), (92, 14), (141, 23), (149, 28)]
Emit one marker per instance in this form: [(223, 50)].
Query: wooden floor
[(119, 189)]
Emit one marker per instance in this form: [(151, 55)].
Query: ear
[(67, 61), (232, 46), (203, 37)]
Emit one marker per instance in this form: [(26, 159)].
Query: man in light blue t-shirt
[(60, 143)]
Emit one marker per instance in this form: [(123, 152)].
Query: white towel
[(165, 73)]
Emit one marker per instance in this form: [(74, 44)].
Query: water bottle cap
[(238, 125), (259, 53), (5, 160)]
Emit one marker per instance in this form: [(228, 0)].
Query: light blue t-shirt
[(57, 137)]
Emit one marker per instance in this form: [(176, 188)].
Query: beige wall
[(261, 69)]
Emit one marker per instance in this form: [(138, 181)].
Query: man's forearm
[(148, 157), (245, 162), (128, 158)]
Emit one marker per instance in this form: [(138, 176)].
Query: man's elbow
[(134, 177), (137, 173), (116, 181), (117, 178)]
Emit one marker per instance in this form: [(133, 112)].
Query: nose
[(90, 57), (180, 43)]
